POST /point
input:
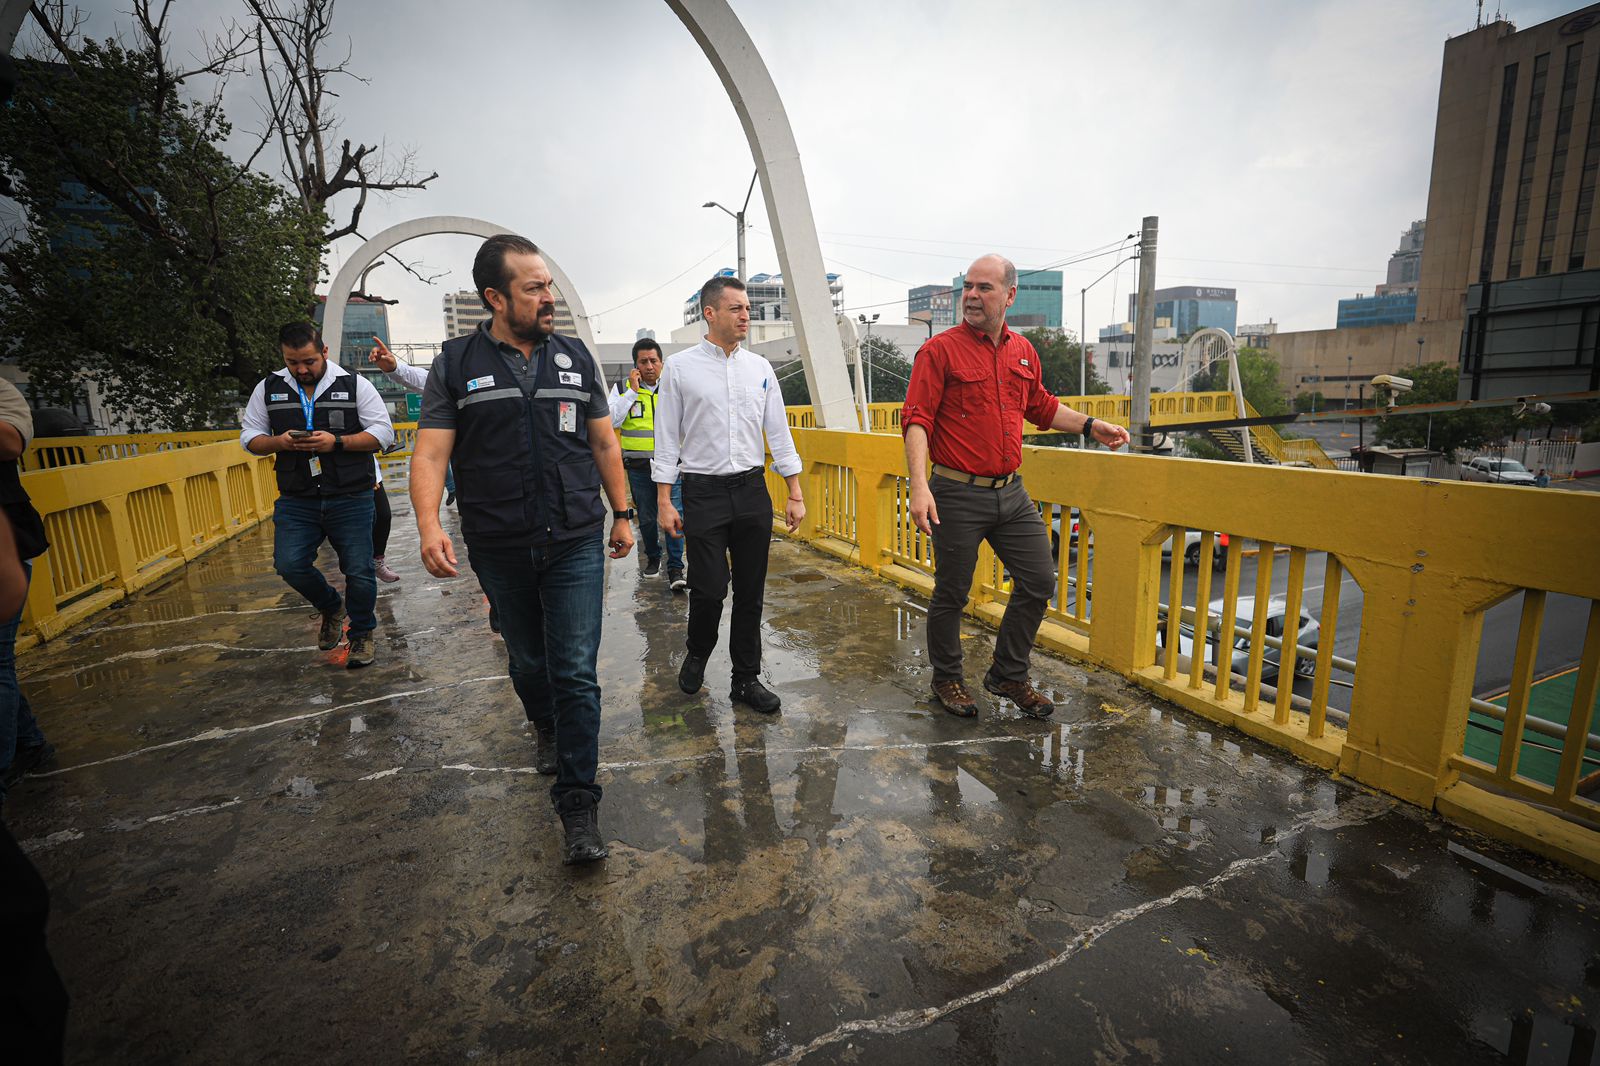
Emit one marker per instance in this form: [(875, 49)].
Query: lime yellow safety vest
[(638, 430)]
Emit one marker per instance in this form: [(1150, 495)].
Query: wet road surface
[(258, 855)]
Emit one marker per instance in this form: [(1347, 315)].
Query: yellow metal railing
[(115, 527), (1429, 559), (46, 453)]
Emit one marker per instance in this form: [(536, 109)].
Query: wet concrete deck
[(258, 855)]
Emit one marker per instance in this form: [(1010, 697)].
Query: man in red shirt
[(971, 386)]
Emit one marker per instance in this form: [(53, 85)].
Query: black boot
[(544, 750), (753, 694), (580, 819)]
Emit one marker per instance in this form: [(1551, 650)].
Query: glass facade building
[(1190, 308), (1386, 310), (1038, 299)]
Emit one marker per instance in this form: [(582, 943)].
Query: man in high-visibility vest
[(633, 413)]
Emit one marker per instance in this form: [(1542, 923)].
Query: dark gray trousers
[(1009, 521)]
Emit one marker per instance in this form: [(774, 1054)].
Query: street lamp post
[(866, 354), (1083, 332), (738, 218)]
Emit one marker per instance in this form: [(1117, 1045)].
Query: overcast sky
[(1285, 147)]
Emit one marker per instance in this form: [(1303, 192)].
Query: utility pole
[(1144, 337), (738, 218)]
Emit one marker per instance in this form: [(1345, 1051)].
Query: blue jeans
[(18, 729), (644, 501), (450, 479), (301, 524), (548, 602)]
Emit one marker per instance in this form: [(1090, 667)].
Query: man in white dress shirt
[(715, 403)]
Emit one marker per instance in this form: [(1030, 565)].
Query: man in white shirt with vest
[(716, 402), (323, 424), (633, 414)]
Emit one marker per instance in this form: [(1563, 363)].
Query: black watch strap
[(1088, 424), (628, 514)]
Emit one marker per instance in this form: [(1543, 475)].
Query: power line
[(1020, 275), (715, 251)]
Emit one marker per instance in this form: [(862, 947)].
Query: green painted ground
[(1550, 699)]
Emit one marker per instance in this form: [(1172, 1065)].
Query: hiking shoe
[(652, 567), (692, 674), (332, 631), (363, 649), (544, 751), (580, 820), (1029, 700), (954, 697), (756, 696), (385, 571), (675, 578)]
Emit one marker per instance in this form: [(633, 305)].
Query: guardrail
[(116, 527), (1430, 558), (47, 453)]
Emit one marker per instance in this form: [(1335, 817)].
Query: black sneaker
[(449, 499), (27, 761), (652, 567), (544, 751), (363, 649), (692, 674), (675, 578), (580, 820), (753, 694), (332, 631)]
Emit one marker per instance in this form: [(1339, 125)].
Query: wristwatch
[(1088, 424), (624, 515), (338, 443)]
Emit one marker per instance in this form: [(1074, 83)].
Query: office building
[(769, 300), (934, 304), (1405, 265), (1382, 310), (1189, 308), (463, 310), (1038, 300), (1256, 334)]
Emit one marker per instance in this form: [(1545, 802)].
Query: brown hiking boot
[(955, 698), (1029, 700)]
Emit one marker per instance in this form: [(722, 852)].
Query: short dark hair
[(489, 265), (711, 291), (645, 344), (297, 335)]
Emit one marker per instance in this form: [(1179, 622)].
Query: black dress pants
[(727, 520)]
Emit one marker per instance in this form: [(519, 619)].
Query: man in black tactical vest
[(324, 424), (522, 414)]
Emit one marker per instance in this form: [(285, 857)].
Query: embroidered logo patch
[(564, 361), (485, 382), (278, 396), (570, 377)]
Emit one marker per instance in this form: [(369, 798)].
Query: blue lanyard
[(306, 404)]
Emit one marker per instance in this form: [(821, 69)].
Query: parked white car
[(1277, 609), (1496, 471)]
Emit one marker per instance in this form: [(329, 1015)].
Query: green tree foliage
[(152, 263), (1059, 354), (1258, 377), (1310, 401), (887, 366), (1436, 383)]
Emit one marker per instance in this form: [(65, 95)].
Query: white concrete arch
[(783, 184), (368, 253)]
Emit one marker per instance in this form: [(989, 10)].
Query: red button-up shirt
[(972, 395)]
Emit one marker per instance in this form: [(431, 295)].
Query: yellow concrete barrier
[(1430, 558), (117, 526)]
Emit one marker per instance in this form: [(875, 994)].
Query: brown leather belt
[(974, 479)]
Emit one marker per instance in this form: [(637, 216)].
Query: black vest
[(335, 412), (524, 473), (26, 526)]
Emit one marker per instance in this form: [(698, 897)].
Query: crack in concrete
[(221, 734), (151, 653), (910, 1019), (62, 836)]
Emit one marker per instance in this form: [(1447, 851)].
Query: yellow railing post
[(1420, 654), (1127, 579), (120, 546)]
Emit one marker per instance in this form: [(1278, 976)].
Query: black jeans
[(727, 519), (382, 519)]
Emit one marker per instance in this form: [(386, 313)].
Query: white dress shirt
[(408, 376), (712, 410), (370, 410)]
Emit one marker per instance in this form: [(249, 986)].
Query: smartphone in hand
[(299, 434)]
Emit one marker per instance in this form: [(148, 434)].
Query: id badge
[(568, 418), (316, 466)]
